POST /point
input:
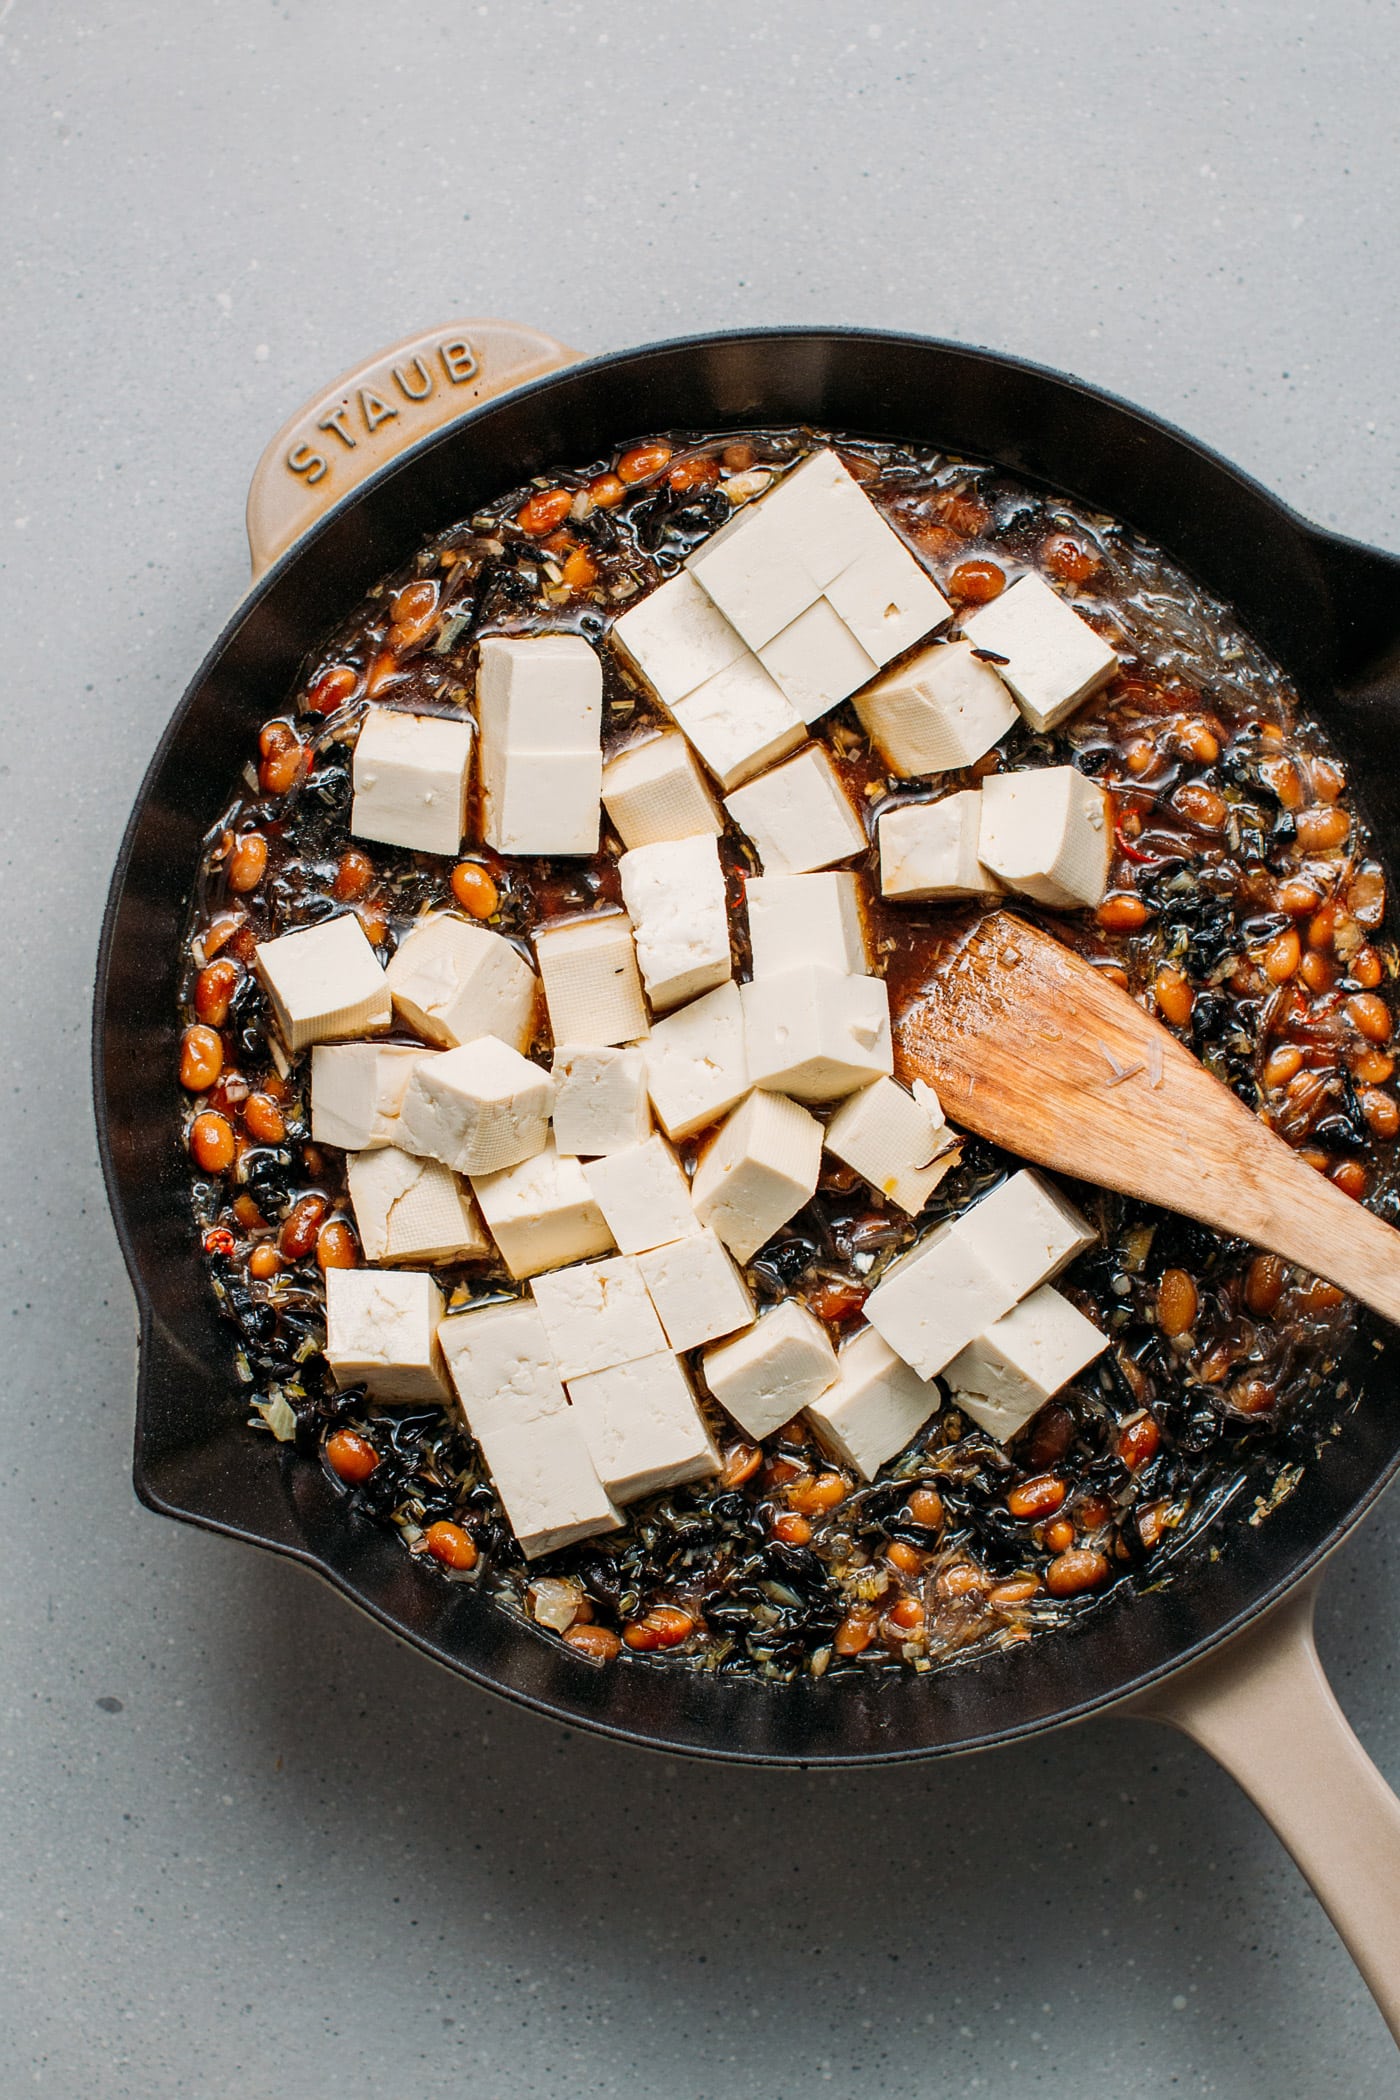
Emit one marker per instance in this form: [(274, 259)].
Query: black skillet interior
[(1327, 609)]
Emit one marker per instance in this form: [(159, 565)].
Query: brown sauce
[(1245, 907)]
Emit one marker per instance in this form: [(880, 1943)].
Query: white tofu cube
[(515, 1406), (892, 1142), (1008, 1373), (600, 1099), (451, 982), (817, 661), (888, 600), (696, 1289), (589, 970), (768, 1374), (799, 816), (381, 1331), (597, 1315), (541, 802), (324, 982), (540, 704), (876, 1406), (539, 693), (825, 516), (675, 894), (696, 1066), (754, 574), (1049, 834), (814, 1035), (411, 774), (643, 1194), (942, 710), (739, 721), (676, 638), (643, 1429), (936, 1299), (1054, 659), (969, 1272), (761, 1165), (806, 919), (1025, 1231), (929, 849), (477, 1108), (541, 1214), (357, 1090), (656, 791), (416, 1210)]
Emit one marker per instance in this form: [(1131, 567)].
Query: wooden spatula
[(1031, 1046)]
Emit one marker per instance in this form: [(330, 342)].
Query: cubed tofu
[(799, 816), (761, 1165), (739, 721), (1048, 833), (541, 802), (697, 1289), (643, 1194), (929, 849), (1026, 1231), (936, 1299), (892, 1142), (814, 1035), (796, 920), (411, 777), (876, 1406), (643, 1429), (539, 693), (478, 1108), (1008, 1373), (540, 705), (381, 1333), (357, 1090), (942, 709), (324, 982), (825, 516), (655, 791), (600, 1099), (541, 1214), (515, 1406), (696, 1067), (675, 639), (888, 600), (589, 970), (773, 1370), (413, 1210), (817, 661), (675, 895), (1054, 659), (451, 982), (597, 1315), (753, 572)]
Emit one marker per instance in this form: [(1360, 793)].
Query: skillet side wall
[(1328, 611)]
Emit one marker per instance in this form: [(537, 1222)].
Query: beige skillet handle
[(375, 411), (1264, 1710)]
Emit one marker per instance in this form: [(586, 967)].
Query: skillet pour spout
[(1326, 609)]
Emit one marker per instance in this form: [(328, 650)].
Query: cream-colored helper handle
[(377, 410), (1264, 1710)]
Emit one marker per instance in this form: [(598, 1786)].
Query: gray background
[(296, 1859)]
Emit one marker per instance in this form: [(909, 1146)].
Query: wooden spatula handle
[(1031, 1046)]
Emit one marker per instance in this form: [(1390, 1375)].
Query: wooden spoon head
[(1028, 1044)]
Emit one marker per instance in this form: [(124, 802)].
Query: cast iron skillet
[(1328, 609)]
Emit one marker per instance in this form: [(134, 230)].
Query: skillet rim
[(1324, 543)]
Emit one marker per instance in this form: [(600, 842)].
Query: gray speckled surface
[(247, 1843)]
